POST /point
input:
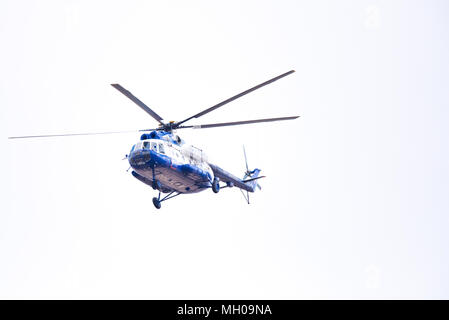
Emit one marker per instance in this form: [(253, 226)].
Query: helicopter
[(164, 161)]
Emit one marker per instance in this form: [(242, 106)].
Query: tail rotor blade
[(243, 194), (246, 161)]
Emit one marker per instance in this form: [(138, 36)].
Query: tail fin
[(250, 179)]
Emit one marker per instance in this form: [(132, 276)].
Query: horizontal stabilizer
[(252, 179)]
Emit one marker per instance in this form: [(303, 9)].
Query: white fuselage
[(181, 168)]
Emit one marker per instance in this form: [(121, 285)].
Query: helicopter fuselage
[(173, 165)]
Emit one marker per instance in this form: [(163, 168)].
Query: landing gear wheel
[(216, 186), (156, 203)]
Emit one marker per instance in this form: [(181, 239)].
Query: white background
[(355, 203)]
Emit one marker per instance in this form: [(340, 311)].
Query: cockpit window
[(146, 145), (132, 149), (161, 148)]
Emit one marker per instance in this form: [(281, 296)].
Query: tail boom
[(247, 185)]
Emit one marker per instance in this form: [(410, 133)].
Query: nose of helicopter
[(138, 158)]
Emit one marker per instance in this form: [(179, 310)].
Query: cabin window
[(154, 146), (161, 148), (146, 145)]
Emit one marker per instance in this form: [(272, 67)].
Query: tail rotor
[(250, 176)]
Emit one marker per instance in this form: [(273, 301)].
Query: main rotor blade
[(202, 113), (138, 102), (72, 134), (225, 124)]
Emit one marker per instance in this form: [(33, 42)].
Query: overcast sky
[(355, 203)]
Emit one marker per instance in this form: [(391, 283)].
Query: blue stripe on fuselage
[(145, 159), (195, 172)]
